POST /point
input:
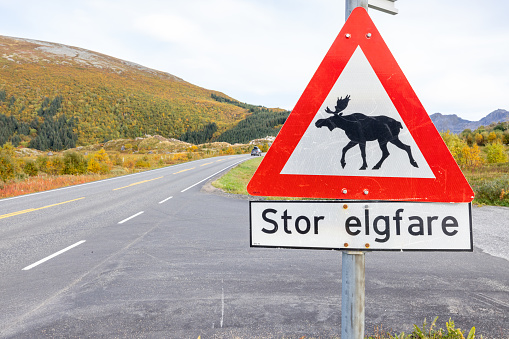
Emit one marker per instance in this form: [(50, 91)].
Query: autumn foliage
[(112, 101)]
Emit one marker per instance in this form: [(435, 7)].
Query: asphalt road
[(183, 268)]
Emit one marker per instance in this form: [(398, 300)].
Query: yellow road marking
[(208, 163), (220, 160), (35, 209), (188, 169), (16, 213), (137, 183)]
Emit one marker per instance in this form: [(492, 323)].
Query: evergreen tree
[(201, 136), (53, 134)]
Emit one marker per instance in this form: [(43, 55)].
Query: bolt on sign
[(359, 132)]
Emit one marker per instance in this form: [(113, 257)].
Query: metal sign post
[(352, 295), (351, 4), (353, 273)]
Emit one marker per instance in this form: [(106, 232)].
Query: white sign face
[(320, 150), (357, 225)]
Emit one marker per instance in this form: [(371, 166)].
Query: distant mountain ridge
[(45, 86), (70, 55), (455, 124)]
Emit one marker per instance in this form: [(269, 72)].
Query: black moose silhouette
[(360, 128)]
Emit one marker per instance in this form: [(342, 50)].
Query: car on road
[(256, 151)]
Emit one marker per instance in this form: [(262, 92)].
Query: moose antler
[(340, 105)]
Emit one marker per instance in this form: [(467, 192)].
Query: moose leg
[(385, 154), (362, 146), (407, 149), (346, 148)]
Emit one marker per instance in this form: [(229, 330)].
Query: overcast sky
[(454, 53)]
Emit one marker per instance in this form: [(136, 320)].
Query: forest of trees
[(47, 132), (466, 146), (251, 108), (261, 123), (200, 137), (484, 135), (255, 126), (11, 130), (52, 130), (53, 133)]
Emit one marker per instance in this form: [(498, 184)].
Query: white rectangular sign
[(362, 225)]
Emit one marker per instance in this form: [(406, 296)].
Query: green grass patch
[(236, 180), (490, 183)]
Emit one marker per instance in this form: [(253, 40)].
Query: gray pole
[(353, 275), (351, 4), (352, 295)]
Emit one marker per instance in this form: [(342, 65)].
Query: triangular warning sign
[(359, 132)]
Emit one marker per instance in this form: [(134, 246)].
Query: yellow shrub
[(102, 156), (180, 156), (100, 162), (93, 166)]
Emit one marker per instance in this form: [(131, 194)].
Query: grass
[(44, 183), (236, 180), (490, 184)]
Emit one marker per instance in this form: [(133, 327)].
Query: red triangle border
[(449, 184)]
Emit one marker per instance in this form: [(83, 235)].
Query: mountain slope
[(454, 124), (107, 97)]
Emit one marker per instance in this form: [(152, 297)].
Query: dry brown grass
[(44, 183)]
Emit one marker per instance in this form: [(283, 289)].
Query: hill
[(454, 124), (54, 96)]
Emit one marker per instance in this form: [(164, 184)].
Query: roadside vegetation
[(24, 170), (430, 331), (483, 156), (236, 180)]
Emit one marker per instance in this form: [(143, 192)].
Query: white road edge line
[(165, 200), (132, 216), (210, 176), (53, 255)]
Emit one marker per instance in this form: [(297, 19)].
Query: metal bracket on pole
[(386, 6)]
